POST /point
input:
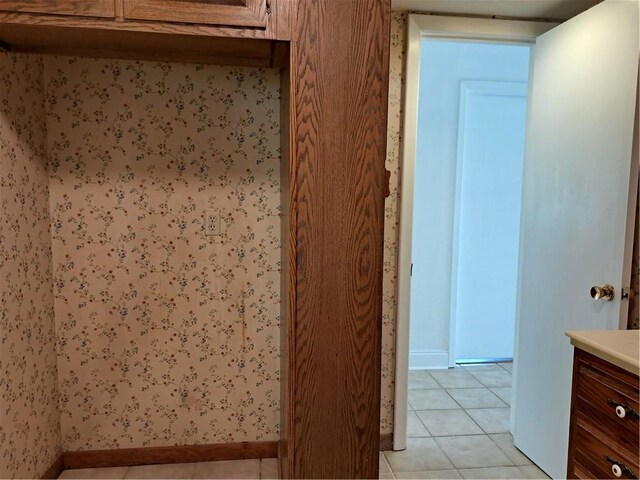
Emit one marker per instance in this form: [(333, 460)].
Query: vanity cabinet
[(604, 431), (245, 13), (79, 8)]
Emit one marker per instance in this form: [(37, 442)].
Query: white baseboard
[(420, 360)]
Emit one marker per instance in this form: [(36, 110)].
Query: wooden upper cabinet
[(82, 8), (240, 13)]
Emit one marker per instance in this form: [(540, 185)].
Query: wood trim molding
[(251, 13), (85, 8), (338, 124), (56, 468), (12, 18), (87, 42), (386, 442), (163, 455), (177, 454), (119, 10)]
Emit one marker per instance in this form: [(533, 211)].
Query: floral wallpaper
[(165, 335), (29, 416), (394, 152)]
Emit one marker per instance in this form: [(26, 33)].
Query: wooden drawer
[(80, 8), (580, 472), (595, 455), (599, 437), (621, 442), (235, 13), (600, 389)]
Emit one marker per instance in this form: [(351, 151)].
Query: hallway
[(458, 427)]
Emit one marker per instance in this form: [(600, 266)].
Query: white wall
[(444, 65)]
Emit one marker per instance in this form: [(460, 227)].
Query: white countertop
[(619, 347)]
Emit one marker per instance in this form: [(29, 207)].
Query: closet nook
[(191, 230)]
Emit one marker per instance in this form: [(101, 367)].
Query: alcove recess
[(333, 61)]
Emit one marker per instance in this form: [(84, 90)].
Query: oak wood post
[(332, 323)]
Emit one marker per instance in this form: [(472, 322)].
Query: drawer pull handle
[(622, 410), (618, 468)]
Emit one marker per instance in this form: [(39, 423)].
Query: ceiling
[(547, 9)]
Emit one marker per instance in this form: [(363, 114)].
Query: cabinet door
[(240, 13), (82, 8)]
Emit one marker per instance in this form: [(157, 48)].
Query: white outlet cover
[(212, 224)]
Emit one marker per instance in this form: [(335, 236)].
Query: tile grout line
[(501, 449), (446, 456), (485, 432), (486, 388), (423, 424)]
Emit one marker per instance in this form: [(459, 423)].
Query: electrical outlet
[(212, 224)]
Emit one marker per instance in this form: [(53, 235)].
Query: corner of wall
[(30, 427)]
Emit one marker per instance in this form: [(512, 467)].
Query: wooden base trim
[(126, 457), (386, 442), (55, 469)]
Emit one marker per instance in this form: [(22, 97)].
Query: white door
[(487, 219), (576, 192)]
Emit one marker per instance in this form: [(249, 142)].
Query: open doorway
[(467, 192), (467, 132), (469, 159), (563, 184)]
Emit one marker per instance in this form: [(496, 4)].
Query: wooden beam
[(136, 45), (339, 88)]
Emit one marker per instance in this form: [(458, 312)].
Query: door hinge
[(627, 293), (387, 183), (268, 7), (411, 272)]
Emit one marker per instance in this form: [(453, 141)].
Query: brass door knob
[(605, 292)]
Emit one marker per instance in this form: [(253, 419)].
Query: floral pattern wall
[(394, 152), (165, 335), (29, 416)]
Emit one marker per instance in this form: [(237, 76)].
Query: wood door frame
[(440, 27)]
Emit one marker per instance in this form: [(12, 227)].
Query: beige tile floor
[(458, 427)]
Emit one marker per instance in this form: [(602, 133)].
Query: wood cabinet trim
[(279, 22), (81, 8), (12, 18), (125, 44), (119, 10), (252, 14)]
